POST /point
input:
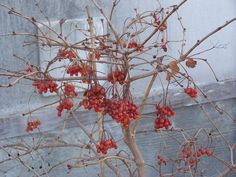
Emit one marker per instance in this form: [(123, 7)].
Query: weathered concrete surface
[(22, 96), (199, 20), (13, 125), (189, 118), (205, 17)]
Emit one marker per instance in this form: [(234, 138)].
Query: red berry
[(163, 114), (104, 145), (64, 104), (123, 111), (66, 54), (45, 86), (94, 98), (116, 76), (69, 90), (192, 92), (33, 124)]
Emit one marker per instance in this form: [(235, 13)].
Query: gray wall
[(189, 118), (199, 17)]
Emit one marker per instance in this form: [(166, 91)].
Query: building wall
[(199, 17), (199, 20), (189, 118)]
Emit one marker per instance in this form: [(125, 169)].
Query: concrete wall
[(189, 118), (199, 17)]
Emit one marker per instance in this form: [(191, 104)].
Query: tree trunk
[(130, 140)]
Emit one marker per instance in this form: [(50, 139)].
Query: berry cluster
[(157, 22), (64, 104), (188, 155), (192, 92), (122, 111), (187, 152), (104, 145), (161, 160), (163, 115), (45, 86), (69, 90), (33, 124), (74, 69), (162, 122), (132, 45), (94, 98), (191, 157), (66, 54), (201, 152), (118, 76)]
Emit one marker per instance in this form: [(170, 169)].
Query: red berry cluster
[(64, 104), (188, 155), (118, 76), (45, 86), (187, 152), (192, 92), (132, 44), (191, 157), (161, 160), (33, 124), (201, 152), (157, 22), (66, 54), (104, 145), (163, 115), (69, 90), (94, 98), (122, 111), (74, 69)]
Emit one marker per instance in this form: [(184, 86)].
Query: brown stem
[(141, 107), (157, 28), (226, 172), (129, 139), (206, 37)]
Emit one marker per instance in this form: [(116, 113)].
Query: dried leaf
[(191, 63), (174, 67)]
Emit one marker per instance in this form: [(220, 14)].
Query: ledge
[(15, 126)]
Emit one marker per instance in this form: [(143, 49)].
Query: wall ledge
[(14, 126)]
